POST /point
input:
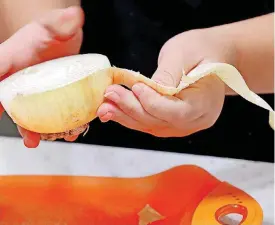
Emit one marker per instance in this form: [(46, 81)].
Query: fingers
[(71, 138), (31, 139), (1, 110), (5, 62), (62, 24), (130, 105), (170, 69), (56, 34), (174, 62), (108, 111), (170, 109)]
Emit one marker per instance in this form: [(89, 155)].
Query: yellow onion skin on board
[(63, 94)]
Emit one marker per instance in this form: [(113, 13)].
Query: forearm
[(254, 42), (16, 13)]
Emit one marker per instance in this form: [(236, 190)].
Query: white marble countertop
[(256, 178)]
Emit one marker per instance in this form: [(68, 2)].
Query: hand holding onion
[(58, 98), (57, 34)]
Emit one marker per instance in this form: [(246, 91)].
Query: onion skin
[(67, 107), (70, 135), (271, 120), (61, 109), (73, 105)]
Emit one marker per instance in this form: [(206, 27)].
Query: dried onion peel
[(63, 94), (149, 215)]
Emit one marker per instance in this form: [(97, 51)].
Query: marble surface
[(256, 178)]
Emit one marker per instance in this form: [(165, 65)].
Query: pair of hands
[(59, 33)]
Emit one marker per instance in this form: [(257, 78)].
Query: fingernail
[(69, 21), (106, 117), (113, 96), (137, 89), (68, 26)]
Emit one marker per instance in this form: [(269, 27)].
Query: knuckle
[(194, 107), (131, 109), (115, 87), (142, 91), (165, 78), (129, 104)]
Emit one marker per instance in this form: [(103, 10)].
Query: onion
[(64, 94)]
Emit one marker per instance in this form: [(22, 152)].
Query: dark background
[(131, 33)]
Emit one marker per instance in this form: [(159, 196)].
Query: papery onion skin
[(63, 94)]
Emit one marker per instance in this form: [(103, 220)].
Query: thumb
[(62, 24), (34, 42), (174, 62)]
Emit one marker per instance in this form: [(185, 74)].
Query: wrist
[(253, 41), (230, 52)]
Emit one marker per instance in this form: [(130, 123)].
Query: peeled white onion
[(57, 95), (63, 94)]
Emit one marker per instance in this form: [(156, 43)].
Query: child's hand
[(57, 34), (194, 109)]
